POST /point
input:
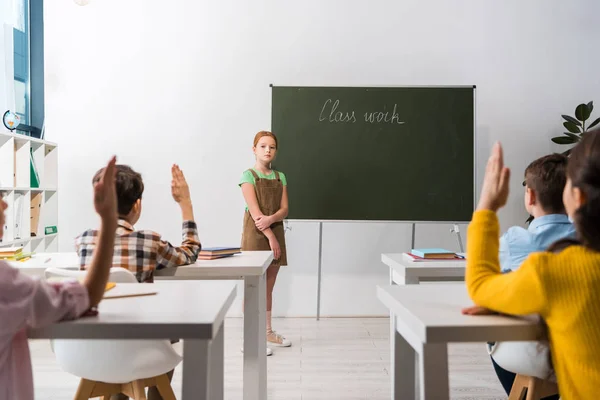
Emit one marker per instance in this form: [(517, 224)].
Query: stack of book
[(14, 254), (434, 254), (212, 253)]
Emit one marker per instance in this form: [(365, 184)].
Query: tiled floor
[(345, 359)]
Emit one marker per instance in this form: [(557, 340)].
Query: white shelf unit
[(16, 154)]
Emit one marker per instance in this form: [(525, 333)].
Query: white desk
[(250, 266), (428, 318), (405, 271), (192, 311), (38, 263)]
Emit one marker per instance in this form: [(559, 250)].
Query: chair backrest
[(117, 274)]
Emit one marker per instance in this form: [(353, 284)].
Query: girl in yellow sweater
[(562, 285)]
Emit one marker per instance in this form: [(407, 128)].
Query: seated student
[(142, 252), (35, 303), (561, 284), (545, 179)]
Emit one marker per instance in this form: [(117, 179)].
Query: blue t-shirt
[(517, 243)]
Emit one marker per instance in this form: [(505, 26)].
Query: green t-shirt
[(247, 177)]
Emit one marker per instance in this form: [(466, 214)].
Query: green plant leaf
[(563, 140), (571, 127), (582, 112), (571, 119), (575, 137), (590, 106), (566, 153), (593, 124)]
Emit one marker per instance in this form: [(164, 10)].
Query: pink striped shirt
[(27, 302)]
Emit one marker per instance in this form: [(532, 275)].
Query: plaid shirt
[(141, 252)]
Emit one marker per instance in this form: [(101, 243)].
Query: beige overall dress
[(268, 194)]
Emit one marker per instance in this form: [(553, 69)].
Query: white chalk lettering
[(334, 115)]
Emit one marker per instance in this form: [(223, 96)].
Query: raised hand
[(494, 191), (179, 187), (105, 193)]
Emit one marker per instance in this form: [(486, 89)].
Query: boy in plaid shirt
[(142, 252)]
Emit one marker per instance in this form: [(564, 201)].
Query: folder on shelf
[(36, 205), (34, 176), (18, 215)]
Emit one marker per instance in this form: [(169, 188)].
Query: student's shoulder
[(281, 176), (516, 234), (247, 177), (146, 234), (87, 236), (551, 264)]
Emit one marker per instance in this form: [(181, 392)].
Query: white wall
[(188, 82)]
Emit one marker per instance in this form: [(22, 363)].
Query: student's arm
[(35, 302), (168, 256), (266, 221), (97, 276), (252, 203), (519, 292), (181, 193), (283, 209), (105, 202)]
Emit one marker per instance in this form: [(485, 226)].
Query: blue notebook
[(433, 253), (219, 248)]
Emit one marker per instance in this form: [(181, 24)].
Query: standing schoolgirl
[(265, 193)]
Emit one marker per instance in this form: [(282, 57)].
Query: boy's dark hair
[(130, 187), (547, 176)]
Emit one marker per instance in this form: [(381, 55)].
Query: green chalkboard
[(376, 153)]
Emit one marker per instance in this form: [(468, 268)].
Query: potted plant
[(576, 126), (576, 129)]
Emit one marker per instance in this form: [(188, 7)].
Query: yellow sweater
[(564, 288)]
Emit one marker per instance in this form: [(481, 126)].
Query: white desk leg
[(434, 372), (404, 357), (255, 338), (217, 366), (401, 373), (395, 373), (195, 383)]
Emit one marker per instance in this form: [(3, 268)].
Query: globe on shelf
[(11, 120)]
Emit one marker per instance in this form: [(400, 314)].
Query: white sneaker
[(275, 339), (269, 351)]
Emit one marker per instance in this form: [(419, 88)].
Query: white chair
[(108, 367)]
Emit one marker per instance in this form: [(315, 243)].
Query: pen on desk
[(47, 260)]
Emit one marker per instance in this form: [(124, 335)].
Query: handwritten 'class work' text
[(331, 112)]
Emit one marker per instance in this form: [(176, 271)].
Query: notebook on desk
[(413, 258), (433, 253), (130, 290), (114, 291)]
